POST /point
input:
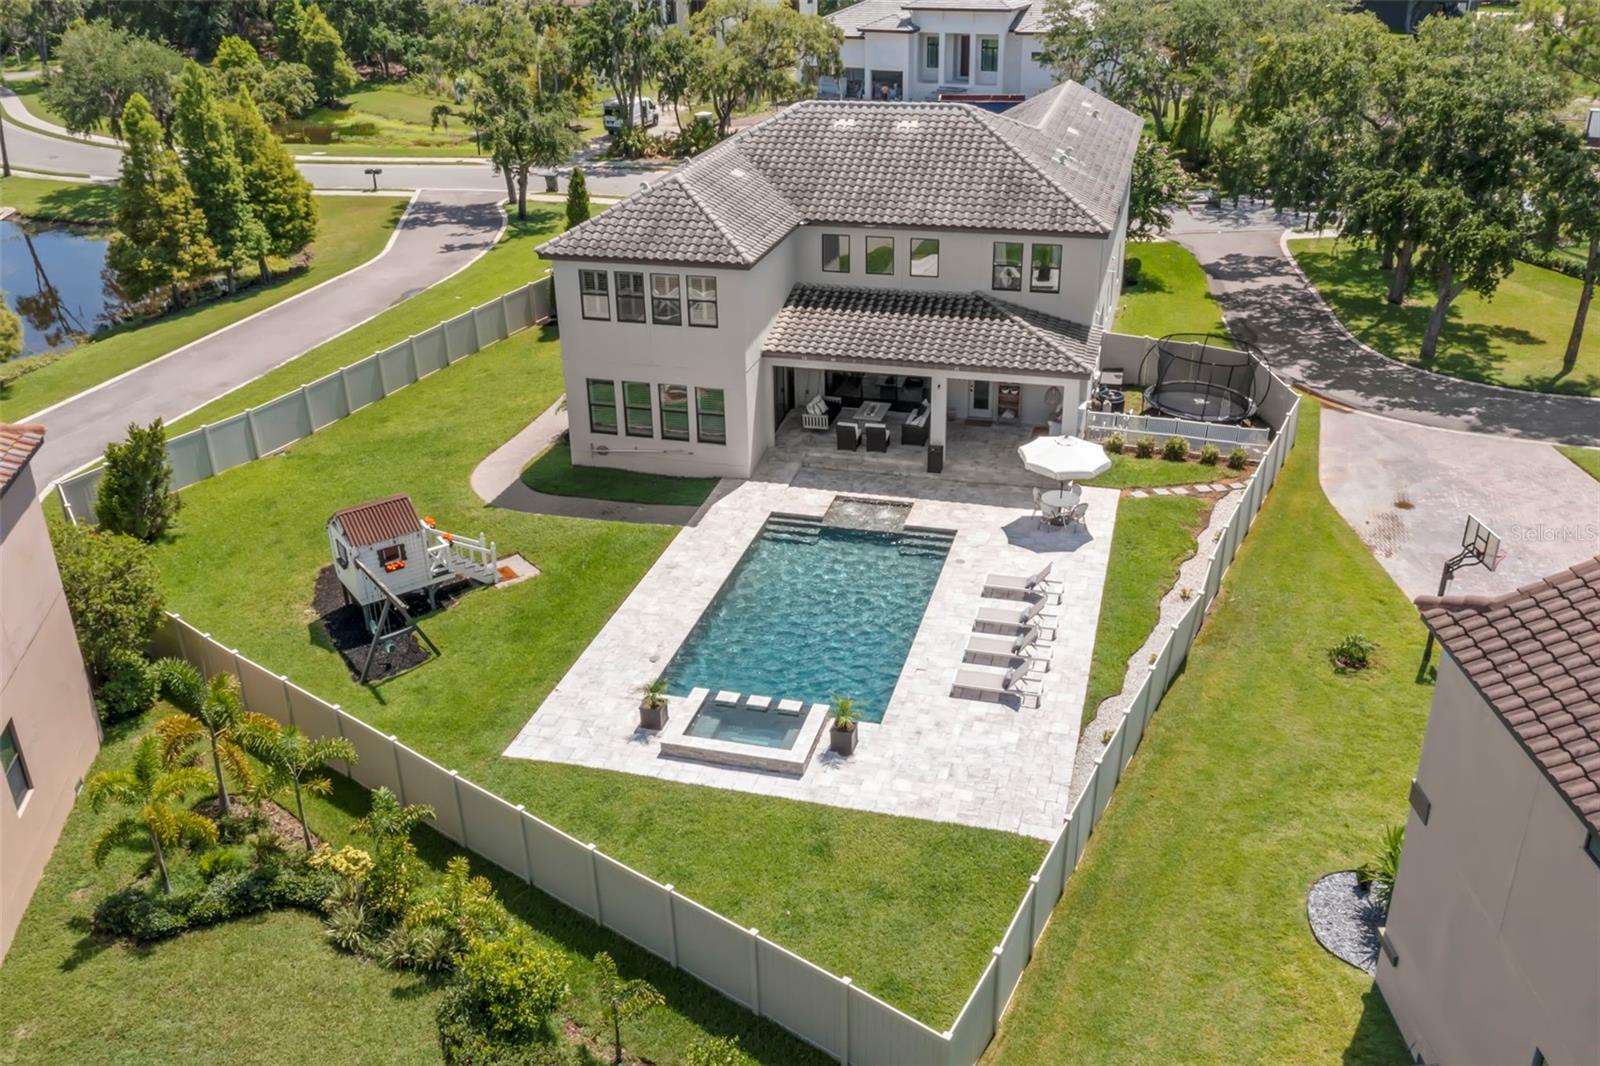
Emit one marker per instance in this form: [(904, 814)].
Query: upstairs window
[(15, 767), (1046, 273), (666, 300), (630, 296), (924, 257), (880, 255), (674, 400), (596, 301), (1007, 273), (702, 300), (602, 406), (835, 253)]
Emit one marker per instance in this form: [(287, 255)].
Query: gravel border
[(1113, 709), (1345, 919)]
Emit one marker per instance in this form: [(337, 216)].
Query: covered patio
[(982, 453)]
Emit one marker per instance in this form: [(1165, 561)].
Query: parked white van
[(645, 114)]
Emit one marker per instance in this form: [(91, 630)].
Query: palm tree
[(621, 998), (159, 794), (211, 709), (387, 819), (292, 759)]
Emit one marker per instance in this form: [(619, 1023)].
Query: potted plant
[(653, 708), (842, 736)]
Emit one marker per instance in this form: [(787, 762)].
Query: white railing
[(1101, 424)]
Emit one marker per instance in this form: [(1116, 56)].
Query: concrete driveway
[(1546, 510)]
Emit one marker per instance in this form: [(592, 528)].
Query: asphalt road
[(441, 233)]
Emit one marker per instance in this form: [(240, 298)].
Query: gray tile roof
[(928, 328), (851, 19), (1534, 657), (1033, 19), (1056, 164)]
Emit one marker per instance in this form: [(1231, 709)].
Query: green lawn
[(1516, 338), (352, 230), (1128, 471), (259, 990), (1171, 295), (1587, 458), (1153, 538), (554, 473), (388, 119), (59, 201), (1182, 937), (925, 901)]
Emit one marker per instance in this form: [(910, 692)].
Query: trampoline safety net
[(1200, 376)]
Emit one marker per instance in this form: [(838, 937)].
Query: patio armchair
[(847, 435), (1075, 516), (877, 437), (817, 414), (915, 430), (1049, 514), (978, 683)]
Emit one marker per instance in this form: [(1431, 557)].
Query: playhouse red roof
[(367, 523)]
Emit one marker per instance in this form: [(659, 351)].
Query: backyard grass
[(1182, 936), (554, 473), (351, 231), (1128, 471), (1516, 338), (1153, 538), (908, 908), (260, 989), (59, 201), (1587, 458), (1171, 295)]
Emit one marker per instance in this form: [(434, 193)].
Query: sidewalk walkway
[(1268, 303), (498, 482)]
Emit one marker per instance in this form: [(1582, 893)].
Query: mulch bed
[(347, 629), (1345, 918), (279, 820)]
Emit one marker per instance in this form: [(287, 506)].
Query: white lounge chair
[(987, 649), (1013, 587), (975, 682), (1013, 616)]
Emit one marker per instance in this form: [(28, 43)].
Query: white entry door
[(980, 399)]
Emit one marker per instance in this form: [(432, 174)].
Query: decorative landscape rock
[(1345, 918)]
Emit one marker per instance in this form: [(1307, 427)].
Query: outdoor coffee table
[(872, 411)]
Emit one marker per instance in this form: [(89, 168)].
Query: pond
[(53, 279)]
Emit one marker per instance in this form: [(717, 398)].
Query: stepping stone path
[(1184, 490)]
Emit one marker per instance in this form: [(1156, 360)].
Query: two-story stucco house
[(910, 263), (1492, 948), (937, 49)]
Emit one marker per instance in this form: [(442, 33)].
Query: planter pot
[(842, 741), (652, 717)]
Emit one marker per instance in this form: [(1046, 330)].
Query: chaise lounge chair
[(1012, 587), (975, 682), (1015, 616), (986, 649)]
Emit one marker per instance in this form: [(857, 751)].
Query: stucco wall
[(44, 694), (1496, 912)]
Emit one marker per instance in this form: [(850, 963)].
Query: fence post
[(211, 451), (461, 812), (183, 648), (338, 720), (672, 927), (250, 432), (594, 885), (1033, 912), (399, 774), (305, 401), (349, 401), (999, 999), (416, 364), (755, 969), (844, 1019), (288, 690), (527, 852)]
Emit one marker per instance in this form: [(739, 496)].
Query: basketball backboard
[(1480, 542)]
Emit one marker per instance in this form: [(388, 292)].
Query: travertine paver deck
[(982, 764)]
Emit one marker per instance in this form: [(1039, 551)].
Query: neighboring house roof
[(875, 15), (1534, 656), (1056, 164), (1032, 20), (851, 19), (932, 328), (369, 523), (18, 442), (897, 22)]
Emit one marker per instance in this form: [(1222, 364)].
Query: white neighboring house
[(949, 262), (940, 49)]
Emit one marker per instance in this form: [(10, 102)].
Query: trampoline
[(1202, 377)]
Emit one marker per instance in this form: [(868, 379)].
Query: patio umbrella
[(1064, 459)]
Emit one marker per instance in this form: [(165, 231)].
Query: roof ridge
[(717, 223), (1015, 313), (983, 118)]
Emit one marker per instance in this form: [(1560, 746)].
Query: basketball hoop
[(1480, 546)]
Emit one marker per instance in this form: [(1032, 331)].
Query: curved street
[(1268, 303)]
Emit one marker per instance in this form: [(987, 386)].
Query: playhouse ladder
[(473, 559)]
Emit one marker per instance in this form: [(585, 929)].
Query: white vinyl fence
[(278, 423), (825, 1010), (1099, 425)]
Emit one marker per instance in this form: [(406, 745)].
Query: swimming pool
[(812, 611)]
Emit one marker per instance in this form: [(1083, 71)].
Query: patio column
[(936, 409)]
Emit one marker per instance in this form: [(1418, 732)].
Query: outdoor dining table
[(1061, 499)]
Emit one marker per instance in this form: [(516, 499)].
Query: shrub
[(135, 495), (222, 860), (1115, 443), (1209, 455), (128, 687), (1176, 449), (1352, 653), (348, 928), (630, 142), (356, 130), (1237, 458), (110, 583), (1378, 873), (240, 822), (1145, 447), (715, 1051), (144, 914), (464, 1042), (513, 986)]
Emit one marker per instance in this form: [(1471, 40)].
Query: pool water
[(769, 728), (814, 611)]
